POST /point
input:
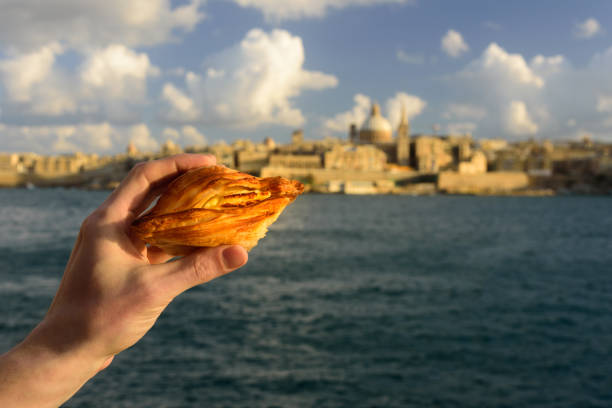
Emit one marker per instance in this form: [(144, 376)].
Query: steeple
[(375, 109), (403, 129), (404, 118), (403, 139)]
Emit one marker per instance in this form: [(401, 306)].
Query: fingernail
[(234, 257)]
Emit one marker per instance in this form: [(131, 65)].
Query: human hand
[(115, 287)]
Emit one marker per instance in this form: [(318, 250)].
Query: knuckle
[(138, 167), (90, 222), (94, 220), (138, 170)]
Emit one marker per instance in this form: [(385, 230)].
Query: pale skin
[(113, 290)]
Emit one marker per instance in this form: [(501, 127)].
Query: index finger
[(145, 177)]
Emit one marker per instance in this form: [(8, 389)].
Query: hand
[(115, 287)]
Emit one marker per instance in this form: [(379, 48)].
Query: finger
[(133, 192), (200, 267), (157, 255)]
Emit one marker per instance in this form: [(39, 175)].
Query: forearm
[(37, 374)]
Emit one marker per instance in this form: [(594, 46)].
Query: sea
[(356, 301)]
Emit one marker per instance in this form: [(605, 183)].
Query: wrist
[(40, 373), (57, 340)]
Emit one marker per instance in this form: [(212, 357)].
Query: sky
[(91, 75)]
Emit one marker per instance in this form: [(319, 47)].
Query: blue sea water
[(351, 301)]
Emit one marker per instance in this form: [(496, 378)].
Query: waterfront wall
[(10, 179), (322, 176), (486, 183)]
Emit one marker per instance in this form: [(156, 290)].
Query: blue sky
[(93, 75)]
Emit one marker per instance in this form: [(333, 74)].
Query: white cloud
[(277, 10), (453, 44), (118, 73), (589, 28), (187, 136), (32, 83), (464, 111), (517, 119), (171, 134), (413, 106), (604, 103), (22, 72), (192, 136), (29, 24), (341, 122), (557, 96), (98, 137), (497, 65), (105, 86), (140, 135), (261, 76), (415, 59), (182, 107), (545, 66)]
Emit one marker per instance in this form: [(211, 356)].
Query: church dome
[(376, 128)]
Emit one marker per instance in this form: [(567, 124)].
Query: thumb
[(201, 266)]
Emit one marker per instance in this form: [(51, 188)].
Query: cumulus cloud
[(29, 24), (412, 106), (117, 72), (496, 64), (140, 135), (588, 28), (22, 72), (546, 95), (340, 123), (249, 84), (182, 107), (105, 86), (453, 44), (98, 137), (517, 120), (277, 10), (187, 136)]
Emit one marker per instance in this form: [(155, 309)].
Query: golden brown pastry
[(213, 206)]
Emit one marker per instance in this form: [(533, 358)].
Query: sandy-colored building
[(359, 158)]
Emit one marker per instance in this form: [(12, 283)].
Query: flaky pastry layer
[(213, 206)]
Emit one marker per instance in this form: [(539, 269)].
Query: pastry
[(213, 206)]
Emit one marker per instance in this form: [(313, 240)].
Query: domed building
[(376, 129)]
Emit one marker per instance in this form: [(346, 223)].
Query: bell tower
[(403, 140)]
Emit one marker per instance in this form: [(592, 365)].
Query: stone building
[(58, 166), (303, 161), (355, 158), (477, 164), (428, 154), (424, 153)]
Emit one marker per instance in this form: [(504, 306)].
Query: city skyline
[(91, 78)]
